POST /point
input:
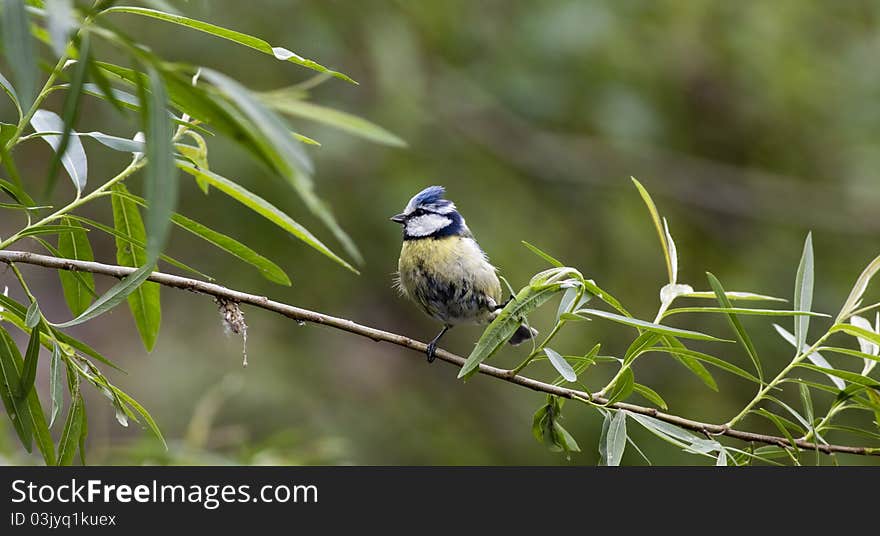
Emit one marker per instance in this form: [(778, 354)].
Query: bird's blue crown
[(431, 198)]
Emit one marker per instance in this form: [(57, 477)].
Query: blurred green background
[(751, 123)]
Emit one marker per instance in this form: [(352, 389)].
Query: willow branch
[(305, 315)]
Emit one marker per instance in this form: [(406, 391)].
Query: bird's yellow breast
[(450, 278)]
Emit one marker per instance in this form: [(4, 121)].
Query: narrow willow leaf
[(32, 316), (267, 268), (29, 367), (561, 365), (113, 297), (815, 357), (263, 208), (160, 182), (334, 118), (807, 401), (151, 424), (603, 438), (712, 360), (231, 35), (144, 301), (779, 426), (655, 217), (78, 287), (69, 441), (56, 383), (16, 408), (691, 363), (60, 21), (116, 143), (867, 346), (651, 395), (671, 291), (138, 245), (741, 311), (567, 303), (737, 326), (74, 157), (504, 325), (284, 152), (855, 295), (534, 249), (673, 253), (803, 292), (29, 420), (15, 313), (847, 351), (640, 346), (83, 434), (48, 229), (856, 331), (650, 326), (538, 423), (13, 190), (10, 90), (721, 461), (733, 296), (673, 434), (19, 50), (845, 375), (564, 439), (616, 439), (622, 388), (70, 110)]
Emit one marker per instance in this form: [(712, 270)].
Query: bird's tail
[(522, 334)]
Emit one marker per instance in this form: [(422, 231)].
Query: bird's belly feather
[(450, 279)]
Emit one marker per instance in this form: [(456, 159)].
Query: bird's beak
[(400, 218)]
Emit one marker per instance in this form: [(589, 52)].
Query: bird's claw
[(432, 349)]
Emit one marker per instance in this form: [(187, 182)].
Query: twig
[(379, 335)]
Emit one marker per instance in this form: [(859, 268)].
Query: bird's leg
[(432, 346)]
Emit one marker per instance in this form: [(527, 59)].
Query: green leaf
[(639, 346), (855, 295), (504, 325), (733, 296), (137, 245), (32, 316), (19, 50), (567, 303), (779, 426), (285, 153), (144, 301), (622, 388), (10, 90), (78, 291), (60, 21), (616, 439), (561, 365), (282, 102), (56, 383), (803, 292), (29, 368), (113, 297), (564, 439), (74, 156), (48, 229), (29, 421), (69, 441), (856, 331), (651, 395), (815, 357), (807, 401), (844, 375), (16, 408), (690, 362), (847, 351), (737, 326), (655, 217), (13, 190), (650, 326), (151, 424), (740, 311), (237, 37), (69, 114), (699, 356), (546, 257), (263, 208), (160, 182), (267, 268)]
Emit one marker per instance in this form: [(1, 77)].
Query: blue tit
[(443, 270)]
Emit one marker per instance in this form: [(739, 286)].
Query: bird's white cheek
[(426, 225)]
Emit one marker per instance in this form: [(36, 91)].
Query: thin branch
[(379, 335)]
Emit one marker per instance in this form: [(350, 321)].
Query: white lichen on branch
[(233, 322)]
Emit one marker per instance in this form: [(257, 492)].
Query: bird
[(443, 269)]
